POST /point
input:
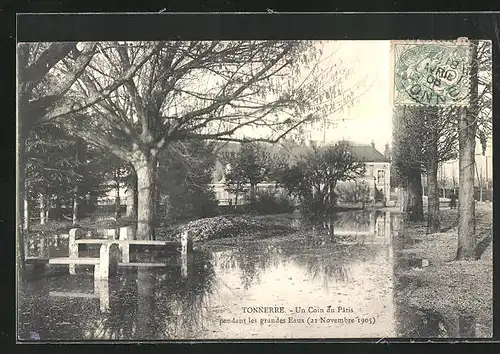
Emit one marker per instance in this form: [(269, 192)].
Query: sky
[(370, 118)]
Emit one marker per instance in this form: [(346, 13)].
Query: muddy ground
[(453, 289)]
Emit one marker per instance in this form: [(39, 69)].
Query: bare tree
[(252, 164), (202, 90), (406, 160), (45, 74), (424, 138), (37, 96), (439, 145), (467, 125), (473, 124), (314, 178)]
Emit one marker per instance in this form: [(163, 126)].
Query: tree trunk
[(132, 208), (79, 157), (47, 208), (135, 205), (146, 182), (57, 215), (157, 203), (414, 203), (252, 192), (466, 203), (480, 180), (330, 229), (466, 164), (433, 223), (75, 207), (117, 207), (117, 197), (41, 201), (486, 178)]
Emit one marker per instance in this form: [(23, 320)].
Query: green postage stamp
[(431, 73)]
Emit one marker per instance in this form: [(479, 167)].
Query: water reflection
[(159, 303), (359, 271), (249, 261), (371, 227), (162, 304), (137, 304)]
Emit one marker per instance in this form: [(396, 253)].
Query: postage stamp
[(431, 73)]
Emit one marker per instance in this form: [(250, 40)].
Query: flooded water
[(288, 288)]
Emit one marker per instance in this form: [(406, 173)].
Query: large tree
[(467, 133), (424, 138), (45, 74), (406, 159), (66, 171), (202, 90), (49, 169), (36, 95)]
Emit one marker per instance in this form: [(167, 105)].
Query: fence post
[(186, 247), (101, 288), (73, 247), (125, 248), (108, 261)]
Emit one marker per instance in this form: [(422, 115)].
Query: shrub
[(353, 192), (188, 204), (315, 208), (271, 202)]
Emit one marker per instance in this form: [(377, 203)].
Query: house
[(377, 171)]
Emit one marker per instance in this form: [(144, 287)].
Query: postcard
[(254, 189)]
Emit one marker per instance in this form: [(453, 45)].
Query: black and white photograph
[(254, 189)]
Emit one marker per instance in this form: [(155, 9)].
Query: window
[(381, 177)]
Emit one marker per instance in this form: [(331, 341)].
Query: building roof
[(364, 152), (368, 153)]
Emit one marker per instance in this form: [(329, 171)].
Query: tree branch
[(93, 99)]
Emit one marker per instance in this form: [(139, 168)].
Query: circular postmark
[(432, 74)]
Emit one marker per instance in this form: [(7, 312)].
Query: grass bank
[(448, 287), (231, 228)]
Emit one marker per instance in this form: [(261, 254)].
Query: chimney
[(373, 144), (387, 151)]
